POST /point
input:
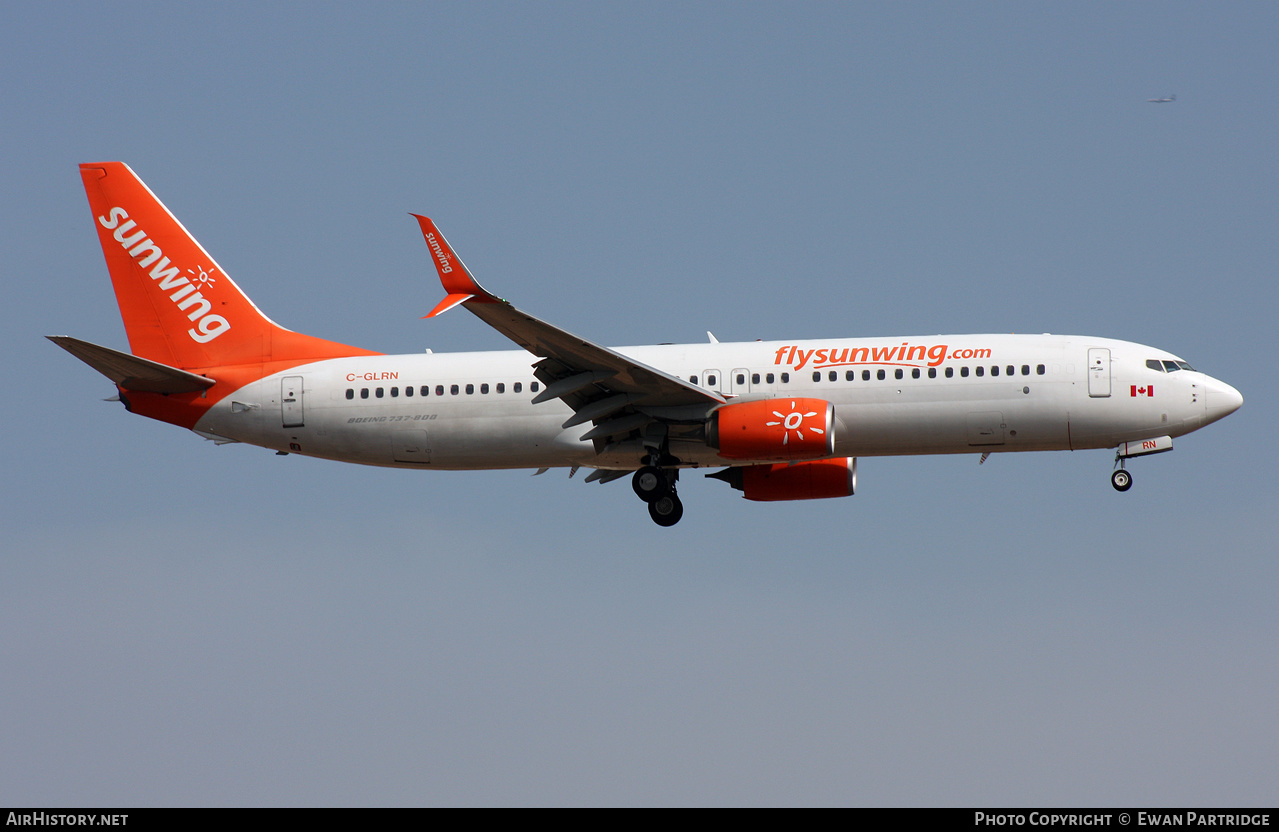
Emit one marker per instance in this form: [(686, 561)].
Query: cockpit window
[(1154, 364), (1183, 365), (1171, 366)]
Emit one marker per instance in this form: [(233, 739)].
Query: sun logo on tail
[(200, 276), (793, 421)]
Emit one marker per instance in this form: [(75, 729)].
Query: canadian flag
[(1148, 390)]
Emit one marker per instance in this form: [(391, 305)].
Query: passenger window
[(470, 389), (994, 371), (932, 372), (1039, 369), (981, 371), (1025, 369), (754, 378), (741, 378), (439, 390), (517, 387), (350, 393), (501, 388), (426, 391), (533, 387), (833, 376), (693, 379), (408, 391), (785, 378), (395, 392), (950, 372), (710, 381), (851, 375), (963, 372), (880, 375), (914, 373), (817, 376), (898, 373), (378, 392), (1010, 370), (454, 389), (769, 378), (865, 375), (484, 389), (364, 392)]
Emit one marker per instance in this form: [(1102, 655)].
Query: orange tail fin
[(179, 307)]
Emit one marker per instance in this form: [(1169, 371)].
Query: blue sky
[(188, 624)]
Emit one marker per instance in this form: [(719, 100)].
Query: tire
[(649, 483), (1121, 480), (666, 510)]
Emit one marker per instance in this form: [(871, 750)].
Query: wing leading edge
[(618, 394)]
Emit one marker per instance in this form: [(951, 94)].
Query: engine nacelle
[(813, 480), (782, 429)]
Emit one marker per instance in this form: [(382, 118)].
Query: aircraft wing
[(618, 394)]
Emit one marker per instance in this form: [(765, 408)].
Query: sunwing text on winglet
[(454, 275)]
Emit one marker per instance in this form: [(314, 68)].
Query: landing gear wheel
[(666, 510), (1121, 480), (649, 483)]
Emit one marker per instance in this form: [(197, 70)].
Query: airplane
[(1167, 100), (781, 420)]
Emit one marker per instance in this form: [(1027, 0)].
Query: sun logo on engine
[(793, 421)]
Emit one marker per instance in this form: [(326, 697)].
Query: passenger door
[(1098, 373), (291, 402)]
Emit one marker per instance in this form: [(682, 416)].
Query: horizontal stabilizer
[(130, 371)]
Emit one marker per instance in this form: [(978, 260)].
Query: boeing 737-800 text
[(784, 420)]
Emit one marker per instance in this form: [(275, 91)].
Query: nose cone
[(1221, 401)]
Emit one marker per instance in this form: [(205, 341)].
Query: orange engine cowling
[(813, 480), (782, 429)]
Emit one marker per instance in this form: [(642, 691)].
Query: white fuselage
[(474, 410)]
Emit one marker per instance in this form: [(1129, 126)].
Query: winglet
[(456, 279)]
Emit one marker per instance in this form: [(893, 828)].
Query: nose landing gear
[(1120, 478)]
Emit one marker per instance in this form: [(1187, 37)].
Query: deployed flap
[(130, 371), (564, 354)]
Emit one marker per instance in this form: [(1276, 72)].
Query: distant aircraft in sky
[(1167, 100), (784, 420)]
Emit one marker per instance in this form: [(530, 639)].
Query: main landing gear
[(656, 486)]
